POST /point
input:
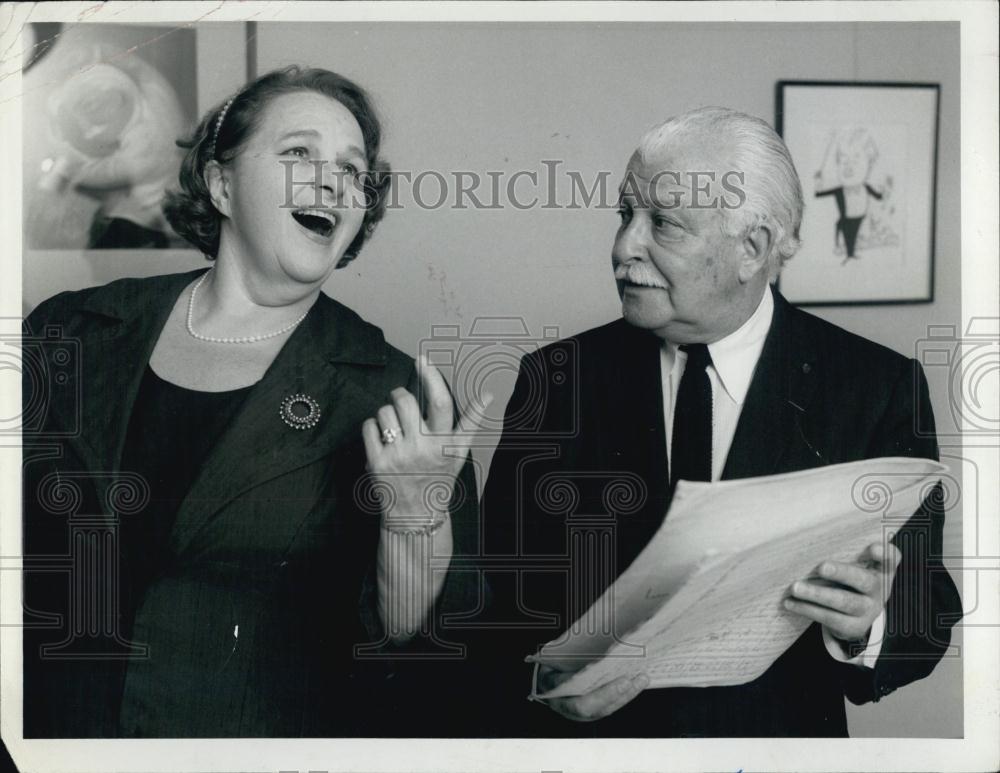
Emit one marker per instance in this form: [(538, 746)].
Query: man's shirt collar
[(735, 356)]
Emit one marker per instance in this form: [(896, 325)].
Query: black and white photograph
[(523, 386)]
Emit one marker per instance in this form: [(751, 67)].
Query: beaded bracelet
[(412, 525)]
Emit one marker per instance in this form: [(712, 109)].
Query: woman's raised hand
[(415, 460)]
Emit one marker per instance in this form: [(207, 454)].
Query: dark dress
[(171, 433)]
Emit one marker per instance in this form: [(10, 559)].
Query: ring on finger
[(389, 435)]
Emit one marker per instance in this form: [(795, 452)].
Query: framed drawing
[(867, 157), (104, 106)]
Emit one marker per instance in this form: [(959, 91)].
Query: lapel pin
[(300, 411)]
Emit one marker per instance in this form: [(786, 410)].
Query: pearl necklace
[(232, 340)]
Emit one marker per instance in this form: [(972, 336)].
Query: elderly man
[(710, 375)]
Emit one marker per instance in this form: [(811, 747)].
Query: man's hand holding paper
[(596, 704), (725, 618), (846, 598)]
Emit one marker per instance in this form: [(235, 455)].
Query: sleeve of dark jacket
[(924, 603)]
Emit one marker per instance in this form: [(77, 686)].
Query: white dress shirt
[(734, 359)]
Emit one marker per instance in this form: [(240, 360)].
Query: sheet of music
[(702, 604)]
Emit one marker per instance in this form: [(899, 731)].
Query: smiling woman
[(224, 133), (276, 552), (290, 209)]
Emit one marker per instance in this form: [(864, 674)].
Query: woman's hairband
[(218, 125)]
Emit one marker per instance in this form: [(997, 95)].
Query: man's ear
[(217, 181), (756, 250)]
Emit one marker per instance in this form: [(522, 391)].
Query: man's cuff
[(534, 684), (868, 656)]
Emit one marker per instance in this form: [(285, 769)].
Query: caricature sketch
[(869, 219), (864, 206)]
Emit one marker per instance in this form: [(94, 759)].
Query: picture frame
[(866, 152), (159, 79)]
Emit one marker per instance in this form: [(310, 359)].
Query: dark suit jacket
[(275, 535), (579, 485)]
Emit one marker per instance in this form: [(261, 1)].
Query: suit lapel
[(648, 390), (632, 436), (776, 402), (630, 406), (257, 445), (114, 354)]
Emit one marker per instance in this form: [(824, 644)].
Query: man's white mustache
[(639, 274)]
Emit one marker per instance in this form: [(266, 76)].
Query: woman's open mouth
[(317, 221)]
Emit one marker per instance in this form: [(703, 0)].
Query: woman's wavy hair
[(190, 211)]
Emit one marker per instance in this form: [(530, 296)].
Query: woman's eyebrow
[(313, 134), (299, 133)]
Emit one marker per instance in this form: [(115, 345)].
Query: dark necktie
[(691, 446)]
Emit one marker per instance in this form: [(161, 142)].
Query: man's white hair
[(770, 182)]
